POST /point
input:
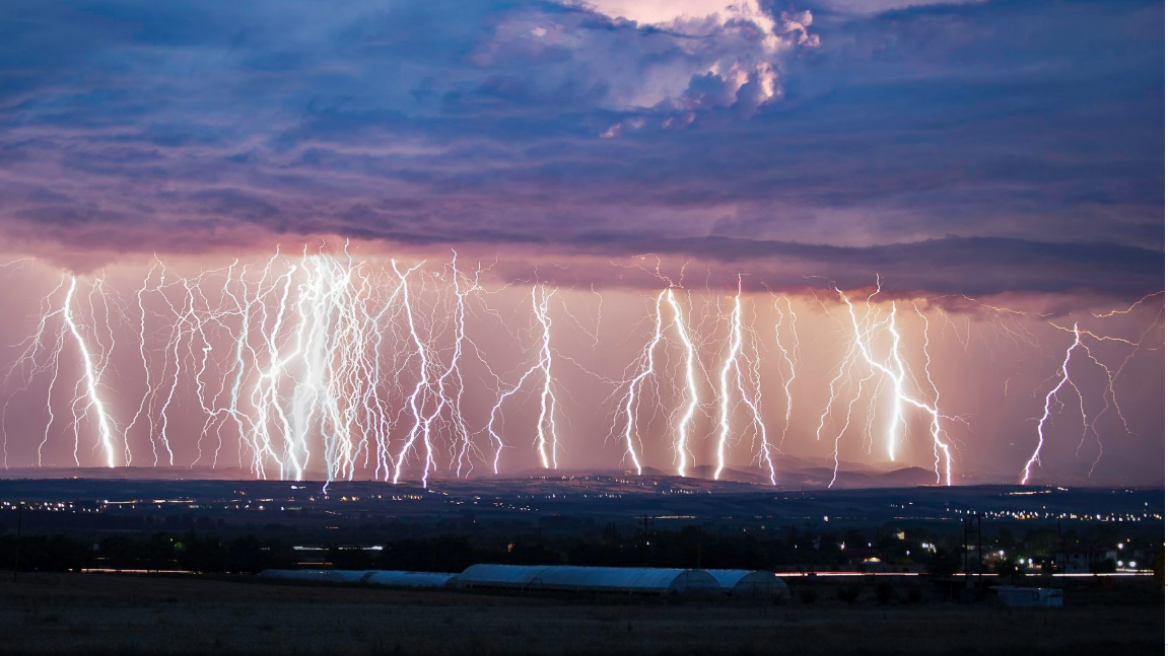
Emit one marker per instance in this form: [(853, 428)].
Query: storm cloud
[(972, 147)]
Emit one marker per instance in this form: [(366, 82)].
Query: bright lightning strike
[(684, 425), (732, 363), (93, 373), (893, 371), (1066, 377)]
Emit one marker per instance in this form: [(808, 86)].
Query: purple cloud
[(1001, 146)]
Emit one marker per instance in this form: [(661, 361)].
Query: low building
[(750, 583), (1077, 560), (384, 578), (318, 575), (399, 579), (629, 580)]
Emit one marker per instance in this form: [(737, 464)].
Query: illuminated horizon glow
[(314, 364)]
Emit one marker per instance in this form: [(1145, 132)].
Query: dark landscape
[(128, 614), (126, 566)]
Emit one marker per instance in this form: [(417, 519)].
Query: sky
[(1006, 151)]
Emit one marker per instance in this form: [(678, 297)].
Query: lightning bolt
[(546, 433), (416, 400), (731, 363), (893, 372), (546, 436), (629, 402), (684, 425), (93, 370), (1066, 377), (790, 357)]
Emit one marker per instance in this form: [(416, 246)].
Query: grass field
[(122, 614)]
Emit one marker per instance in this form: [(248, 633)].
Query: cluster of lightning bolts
[(334, 364), (738, 387), (875, 360), (286, 354)]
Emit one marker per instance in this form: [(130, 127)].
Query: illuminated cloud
[(1004, 146)]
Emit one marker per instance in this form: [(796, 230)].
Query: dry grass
[(57, 614)]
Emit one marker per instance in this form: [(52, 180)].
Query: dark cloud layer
[(974, 147)]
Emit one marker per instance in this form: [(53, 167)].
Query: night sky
[(1011, 152)]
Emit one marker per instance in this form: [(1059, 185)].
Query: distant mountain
[(130, 473), (821, 477), (791, 473)]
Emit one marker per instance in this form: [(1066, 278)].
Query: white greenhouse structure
[(396, 579), (741, 583), (384, 578), (317, 575), (629, 580), (750, 583)]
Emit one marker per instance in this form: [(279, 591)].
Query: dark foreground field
[(94, 613)]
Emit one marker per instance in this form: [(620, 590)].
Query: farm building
[(318, 575), (749, 583), (397, 579), (498, 576), (1014, 597), (592, 579), (629, 580), (385, 578)]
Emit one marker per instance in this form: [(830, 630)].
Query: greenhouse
[(385, 578), (318, 575), (749, 583), (628, 580), (397, 579)]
